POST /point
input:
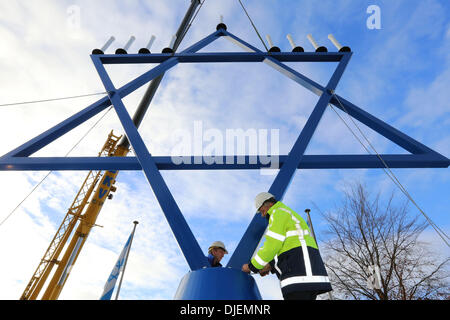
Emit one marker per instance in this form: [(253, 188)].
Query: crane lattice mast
[(74, 215)]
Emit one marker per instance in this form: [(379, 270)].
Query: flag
[(111, 282)]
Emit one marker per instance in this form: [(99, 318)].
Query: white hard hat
[(261, 197), (217, 244)]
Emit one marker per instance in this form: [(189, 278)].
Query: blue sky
[(399, 73)]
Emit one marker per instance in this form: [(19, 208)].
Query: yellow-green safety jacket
[(292, 251)]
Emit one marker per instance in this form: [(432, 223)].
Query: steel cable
[(387, 170)]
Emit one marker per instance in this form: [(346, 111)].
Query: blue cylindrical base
[(217, 284)]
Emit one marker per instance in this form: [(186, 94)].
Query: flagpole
[(126, 259), (330, 296)]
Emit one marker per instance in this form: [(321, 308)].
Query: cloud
[(435, 96)]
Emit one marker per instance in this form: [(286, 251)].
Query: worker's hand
[(245, 268), (265, 271)]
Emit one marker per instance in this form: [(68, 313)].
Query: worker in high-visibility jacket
[(290, 251)]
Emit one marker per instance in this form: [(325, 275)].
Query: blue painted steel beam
[(183, 234), (241, 43), (223, 57), (204, 42), (255, 230), (166, 163), (144, 78)]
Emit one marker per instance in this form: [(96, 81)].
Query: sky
[(399, 72)]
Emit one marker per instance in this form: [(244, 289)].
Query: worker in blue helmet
[(290, 251), (216, 251)]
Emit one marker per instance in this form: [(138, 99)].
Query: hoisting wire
[(193, 18), (43, 179), (386, 169), (254, 27), (54, 99)]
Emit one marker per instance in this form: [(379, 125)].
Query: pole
[(126, 259), (314, 236), (310, 225)]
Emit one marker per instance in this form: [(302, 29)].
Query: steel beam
[(206, 57), (219, 162)]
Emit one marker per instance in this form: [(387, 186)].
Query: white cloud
[(435, 97)]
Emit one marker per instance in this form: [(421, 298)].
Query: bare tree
[(365, 234)]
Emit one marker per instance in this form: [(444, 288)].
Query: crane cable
[(53, 99), (43, 179), (254, 27), (386, 168), (193, 18)]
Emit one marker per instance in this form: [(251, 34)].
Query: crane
[(76, 215), (93, 200)]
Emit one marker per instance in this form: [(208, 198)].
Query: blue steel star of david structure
[(200, 282)]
